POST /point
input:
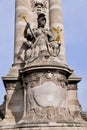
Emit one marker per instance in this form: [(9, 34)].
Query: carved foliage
[(39, 78)]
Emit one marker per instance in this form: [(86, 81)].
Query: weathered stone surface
[(50, 126), (41, 89)]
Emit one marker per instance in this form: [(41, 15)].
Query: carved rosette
[(45, 97)]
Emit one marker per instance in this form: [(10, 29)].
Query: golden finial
[(24, 17)]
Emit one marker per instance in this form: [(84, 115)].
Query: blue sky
[(75, 32)]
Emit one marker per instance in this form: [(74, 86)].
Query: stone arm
[(50, 37), (1, 115), (29, 36)]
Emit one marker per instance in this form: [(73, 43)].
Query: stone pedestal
[(45, 94)]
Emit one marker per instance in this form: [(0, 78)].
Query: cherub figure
[(58, 31)]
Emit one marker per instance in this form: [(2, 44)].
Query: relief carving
[(39, 78), (10, 86), (39, 6), (72, 87), (14, 86), (47, 114), (39, 87)]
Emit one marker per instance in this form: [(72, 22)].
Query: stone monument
[(41, 88)]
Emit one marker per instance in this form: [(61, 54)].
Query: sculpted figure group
[(40, 42)]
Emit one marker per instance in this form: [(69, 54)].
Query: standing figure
[(41, 38)]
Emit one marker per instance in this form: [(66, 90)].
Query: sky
[(75, 33)]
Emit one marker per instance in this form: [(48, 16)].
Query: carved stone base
[(49, 126), (46, 95)]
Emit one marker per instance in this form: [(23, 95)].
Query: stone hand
[(27, 26)]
